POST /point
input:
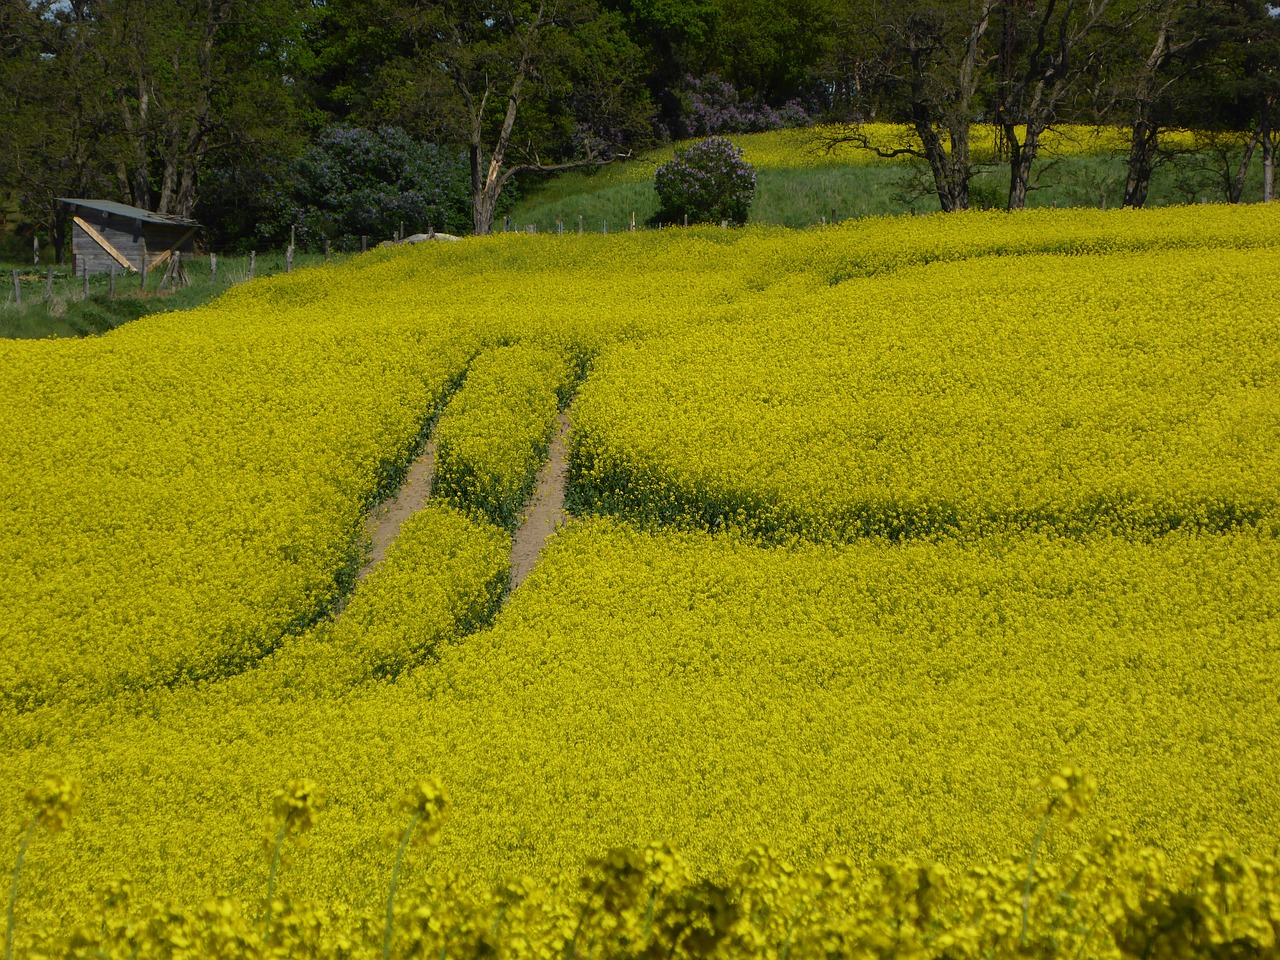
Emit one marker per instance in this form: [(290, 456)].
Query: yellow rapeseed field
[(818, 147), (880, 526), (495, 431)]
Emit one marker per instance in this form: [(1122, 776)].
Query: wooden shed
[(105, 234)]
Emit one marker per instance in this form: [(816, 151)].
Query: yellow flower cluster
[(866, 701), (1133, 394), (1113, 901), (181, 494), (398, 618), (1078, 411), (495, 430)]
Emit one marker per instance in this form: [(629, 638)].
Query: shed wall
[(127, 236)]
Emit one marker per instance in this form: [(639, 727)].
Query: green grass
[(68, 313), (804, 196)]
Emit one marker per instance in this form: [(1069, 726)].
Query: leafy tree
[(525, 87), (53, 117), (768, 49), (674, 37), (353, 182), (134, 99)]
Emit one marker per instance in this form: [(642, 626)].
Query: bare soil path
[(546, 509), (384, 520), (544, 513)]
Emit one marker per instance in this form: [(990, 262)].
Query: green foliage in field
[(800, 183)]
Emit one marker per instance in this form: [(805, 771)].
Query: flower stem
[(13, 889), (1031, 871), (271, 877), (395, 881)]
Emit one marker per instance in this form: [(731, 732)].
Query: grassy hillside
[(67, 312), (800, 182)]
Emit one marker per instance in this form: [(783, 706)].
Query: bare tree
[(932, 59), (1045, 54), (1147, 90)]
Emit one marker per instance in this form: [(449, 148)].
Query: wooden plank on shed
[(103, 243), (172, 247)]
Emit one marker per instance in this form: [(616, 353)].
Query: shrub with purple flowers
[(708, 181), (712, 106)]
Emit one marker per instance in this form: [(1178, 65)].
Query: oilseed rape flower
[(875, 526), (295, 805), (428, 804), (53, 802), (494, 433)]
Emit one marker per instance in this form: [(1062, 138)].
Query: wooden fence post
[(328, 249), (143, 271), (17, 288), (632, 228), (559, 226), (48, 283), (253, 262), (686, 219), (35, 251), (605, 228), (364, 244), (288, 260), (579, 224), (213, 268)]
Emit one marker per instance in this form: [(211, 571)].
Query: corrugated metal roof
[(132, 213)]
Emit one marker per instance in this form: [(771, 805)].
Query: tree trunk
[(951, 168), (1268, 152), (952, 196), (484, 206), (1146, 132), (168, 184), (59, 234), (1142, 152), (136, 130), (1022, 158), (1236, 190)]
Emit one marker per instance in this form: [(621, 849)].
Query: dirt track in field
[(384, 521), (546, 508), (543, 514)]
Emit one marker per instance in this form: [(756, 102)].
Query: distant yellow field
[(807, 147)]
